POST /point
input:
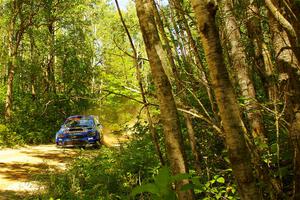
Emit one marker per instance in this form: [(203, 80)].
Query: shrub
[(9, 138)]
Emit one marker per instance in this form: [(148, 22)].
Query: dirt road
[(20, 167)]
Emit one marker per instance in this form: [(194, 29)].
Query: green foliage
[(93, 177), (117, 74), (74, 58), (9, 138), (54, 73), (107, 173), (216, 188), (160, 188)]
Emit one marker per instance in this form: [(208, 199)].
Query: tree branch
[(198, 115), (281, 19)]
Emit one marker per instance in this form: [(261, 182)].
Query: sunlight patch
[(25, 186)]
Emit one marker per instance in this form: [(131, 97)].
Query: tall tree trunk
[(13, 45), (282, 45), (51, 58), (195, 53), (288, 67), (167, 105), (9, 91), (229, 110), (11, 68), (295, 136), (193, 143), (262, 57), (182, 96), (239, 61), (33, 60), (294, 17), (160, 26), (15, 35), (280, 18), (137, 62)]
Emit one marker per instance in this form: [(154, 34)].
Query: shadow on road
[(22, 171), (11, 195), (59, 155)]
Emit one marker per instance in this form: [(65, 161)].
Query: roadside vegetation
[(207, 92)]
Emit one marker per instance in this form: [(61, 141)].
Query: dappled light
[(20, 168), (149, 99)]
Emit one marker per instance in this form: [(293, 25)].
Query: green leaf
[(273, 148), (162, 180), (233, 190), (196, 181), (188, 187), (170, 196), (179, 177), (227, 159), (150, 187), (221, 180), (207, 184)]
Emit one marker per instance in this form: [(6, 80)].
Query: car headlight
[(92, 134)]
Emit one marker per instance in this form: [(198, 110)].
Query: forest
[(207, 91)]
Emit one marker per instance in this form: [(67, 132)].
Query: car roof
[(81, 116)]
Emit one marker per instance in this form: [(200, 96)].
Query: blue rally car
[(79, 130)]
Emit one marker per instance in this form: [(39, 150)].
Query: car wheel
[(98, 145)]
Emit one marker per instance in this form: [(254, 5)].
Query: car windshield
[(79, 122)]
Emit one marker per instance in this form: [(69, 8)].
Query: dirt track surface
[(20, 167)]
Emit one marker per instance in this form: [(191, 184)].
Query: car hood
[(75, 129)]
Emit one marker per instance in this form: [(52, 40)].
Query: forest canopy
[(208, 90)]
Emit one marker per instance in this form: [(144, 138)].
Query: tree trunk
[(288, 68), (11, 68), (182, 96), (262, 57), (154, 135), (15, 35), (242, 71), (9, 91), (193, 143), (165, 97), (295, 136), (229, 110), (280, 18), (33, 60), (51, 59), (294, 17), (195, 53), (160, 26), (282, 45)]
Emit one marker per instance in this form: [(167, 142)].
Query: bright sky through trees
[(123, 3)]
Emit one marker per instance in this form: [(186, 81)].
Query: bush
[(9, 138), (110, 174)]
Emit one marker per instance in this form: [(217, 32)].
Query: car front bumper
[(89, 141)]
